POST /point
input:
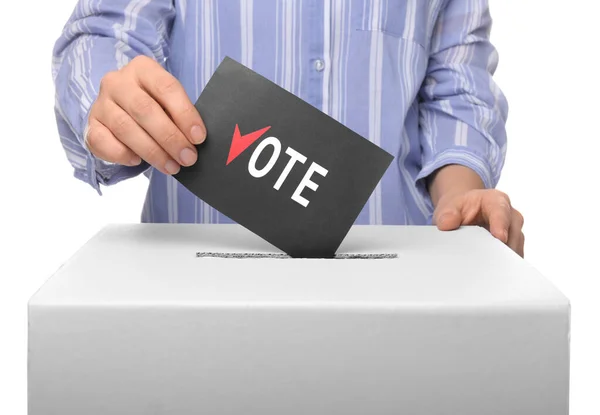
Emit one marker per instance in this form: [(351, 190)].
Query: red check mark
[(239, 143)]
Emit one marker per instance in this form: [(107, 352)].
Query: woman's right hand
[(143, 113)]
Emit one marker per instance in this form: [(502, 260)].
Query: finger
[(516, 239), (447, 216), (171, 95), (104, 145), (153, 119), (517, 244), (497, 212), (471, 208), (128, 132)]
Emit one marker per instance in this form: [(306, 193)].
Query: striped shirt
[(412, 76)]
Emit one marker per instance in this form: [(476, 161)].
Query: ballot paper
[(278, 166)]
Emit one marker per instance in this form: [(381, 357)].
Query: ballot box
[(211, 319)]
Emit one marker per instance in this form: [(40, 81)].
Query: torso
[(377, 60)]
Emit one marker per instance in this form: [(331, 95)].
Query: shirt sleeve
[(462, 111), (99, 37)]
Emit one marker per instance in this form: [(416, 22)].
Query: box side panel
[(296, 361)]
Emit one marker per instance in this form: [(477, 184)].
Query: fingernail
[(502, 235), (171, 167), (187, 156), (135, 161), (444, 217), (198, 134)]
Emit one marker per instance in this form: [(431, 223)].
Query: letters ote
[(239, 143)]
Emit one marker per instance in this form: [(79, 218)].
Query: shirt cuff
[(462, 156), (99, 172)]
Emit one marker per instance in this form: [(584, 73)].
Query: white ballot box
[(177, 319)]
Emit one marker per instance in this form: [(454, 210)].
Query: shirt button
[(319, 65)]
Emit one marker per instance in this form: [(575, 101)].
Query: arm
[(462, 118), (100, 37), (462, 111)]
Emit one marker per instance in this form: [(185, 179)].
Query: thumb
[(447, 215)]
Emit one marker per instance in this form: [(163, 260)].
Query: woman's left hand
[(488, 208)]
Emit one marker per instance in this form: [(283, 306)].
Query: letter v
[(239, 142)]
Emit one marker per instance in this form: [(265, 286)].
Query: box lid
[(157, 265)]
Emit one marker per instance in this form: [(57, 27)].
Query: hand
[(488, 208), (143, 113)]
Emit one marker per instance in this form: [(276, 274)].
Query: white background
[(548, 55)]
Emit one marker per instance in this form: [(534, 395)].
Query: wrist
[(452, 180)]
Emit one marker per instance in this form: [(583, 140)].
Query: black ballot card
[(278, 166)]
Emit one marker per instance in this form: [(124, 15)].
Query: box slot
[(259, 255)]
